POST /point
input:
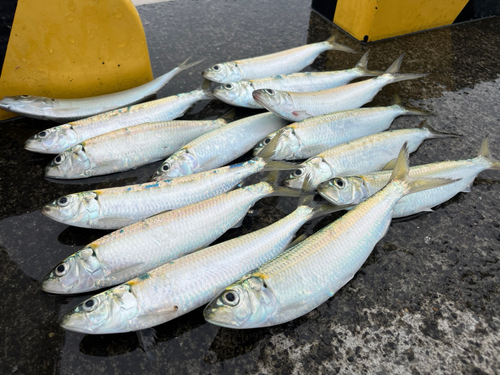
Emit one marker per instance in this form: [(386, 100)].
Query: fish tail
[(184, 65), (229, 115), (275, 165), (362, 65), (484, 151), (267, 151), (400, 174), (337, 46), (282, 191), (394, 68), (207, 90), (410, 111), (396, 76), (435, 133)]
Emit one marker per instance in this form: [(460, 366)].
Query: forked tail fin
[(362, 66), (337, 46), (484, 151)]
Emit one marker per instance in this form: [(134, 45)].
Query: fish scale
[(122, 254)]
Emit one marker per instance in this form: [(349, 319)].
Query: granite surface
[(426, 301)]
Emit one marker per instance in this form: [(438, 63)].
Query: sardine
[(311, 136), (219, 147), (240, 93), (65, 110), (118, 207), (354, 190), (296, 106), (367, 154), (59, 138), (306, 275), (138, 248), (127, 148), (184, 284), (284, 62)]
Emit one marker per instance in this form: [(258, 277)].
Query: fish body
[(127, 148), (296, 106), (240, 93), (304, 139), (138, 248), (118, 207), (284, 62), (220, 146), (363, 155), (59, 138), (184, 284), (307, 274), (65, 110), (354, 190)]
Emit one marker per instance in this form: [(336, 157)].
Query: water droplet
[(51, 50), (427, 239), (71, 40)]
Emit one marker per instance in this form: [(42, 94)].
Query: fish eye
[(42, 134), (216, 68), (270, 91), (339, 183), (63, 201), (165, 167), (231, 298), (267, 140), (59, 159), (61, 269), (298, 172), (229, 86), (90, 304)]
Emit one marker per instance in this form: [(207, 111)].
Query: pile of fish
[(159, 262)]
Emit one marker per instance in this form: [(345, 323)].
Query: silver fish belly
[(118, 207), (127, 148), (187, 283)]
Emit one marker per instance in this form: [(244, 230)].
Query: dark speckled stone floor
[(426, 301)]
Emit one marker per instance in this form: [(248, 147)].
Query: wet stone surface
[(426, 301)]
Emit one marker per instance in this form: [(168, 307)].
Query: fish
[(367, 154), (240, 93), (127, 148), (143, 246), (219, 147), (117, 207), (353, 190), (59, 138), (66, 110), (309, 137), (184, 284), (296, 106), (284, 62), (303, 277)]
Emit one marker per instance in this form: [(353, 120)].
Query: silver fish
[(127, 148), (306, 275), (59, 138), (138, 248), (240, 93), (354, 190), (296, 106), (184, 284), (304, 139), (284, 62), (65, 110), (118, 207), (219, 147), (367, 154)]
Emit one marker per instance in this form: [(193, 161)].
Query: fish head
[(72, 163), (288, 144), (344, 190), (276, 101), (182, 163), (257, 149), (74, 208), (223, 73), (107, 312), (78, 273), (236, 93), (27, 104), (52, 140), (310, 174), (246, 304)]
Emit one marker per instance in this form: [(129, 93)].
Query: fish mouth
[(36, 146), (52, 172), (51, 285), (221, 318), (74, 322)]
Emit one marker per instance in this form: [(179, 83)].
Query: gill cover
[(237, 93), (53, 140), (246, 304), (223, 73), (344, 190), (73, 163), (80, 208), (182, 163), (276, 101), (310, 174)]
